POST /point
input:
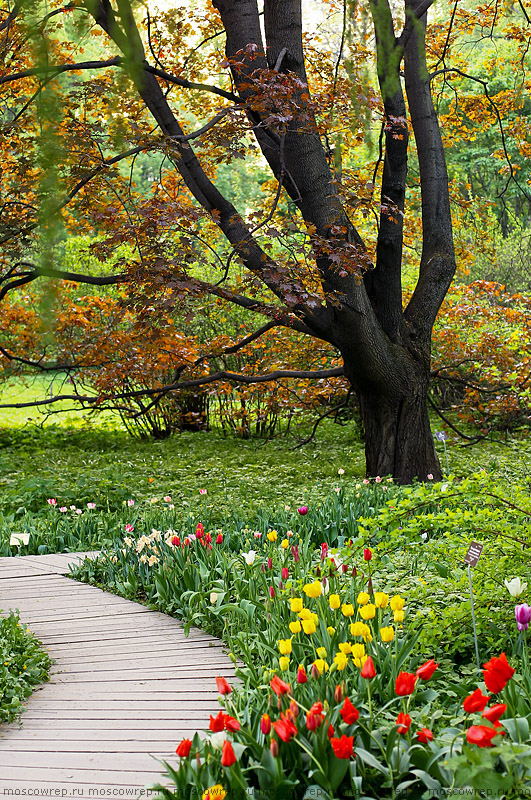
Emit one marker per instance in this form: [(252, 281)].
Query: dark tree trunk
[(398, 438), (394, 413)]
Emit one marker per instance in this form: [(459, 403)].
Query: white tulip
[(249, 557), (515, 587)]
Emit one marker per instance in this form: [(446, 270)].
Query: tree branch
[(92, 400)]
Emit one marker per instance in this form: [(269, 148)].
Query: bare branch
[(92, 400)]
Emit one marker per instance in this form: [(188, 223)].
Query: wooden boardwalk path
[(127, 685)]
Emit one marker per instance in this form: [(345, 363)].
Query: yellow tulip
[(283, 663), (331, 630), (334, 601), (272, 536), (284, 543), (296, 604), (321, 665), (216, 792), (295, 627), (381, 599), (361, 629), (345, 647), (397, 603), (284, 646), (368, 611), (359, 662), (309, 626), (347, 609), (362, 599), (358, 650), (387, 634), (314, 589), (321, 652), (305, 613), (399, 616), (341, 660)]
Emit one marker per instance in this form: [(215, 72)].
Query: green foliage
[(425, 533), (23, 664)]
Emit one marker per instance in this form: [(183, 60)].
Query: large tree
[(340, 291)]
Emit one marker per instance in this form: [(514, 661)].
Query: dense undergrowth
[(23, 665)]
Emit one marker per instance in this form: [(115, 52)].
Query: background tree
[(297, 258)]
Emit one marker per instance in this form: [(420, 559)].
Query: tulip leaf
[(427, 780), (518, 729), (441, 569), (371, 760)]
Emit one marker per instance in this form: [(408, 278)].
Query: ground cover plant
[(23, 665), (316, 622)]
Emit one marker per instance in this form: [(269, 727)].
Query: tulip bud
[(265, 724), (272, 592), (315, 671), (219, 538), (294, 708), (301, 675), (318, 571), (324, 551), (285, 573), (269, 563), (354, 572), (338, 694), (344, 570), (295, 553), (273, 747), (263, 567), (311, 722), (367, 554)]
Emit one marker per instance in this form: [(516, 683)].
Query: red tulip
[(343, 747), (222, 686), (303, 510), (405, 683), (425, 671), (284, 728), (324, 551), (270, 563), (199, 530), (403, 722), (265, 724), (494, 713), (367, 554), (425, 735), (475, 701), (496, 673), (273, 747), (230, 723), (285, 573), (338, 694), (279, 686), (367, 670), (272, 592), (349, 713), (301, 675), (228, 757), (183, 749), (295, 553), (175, 540), (482, 735), (219, 538), (217, 723), (330, 731)]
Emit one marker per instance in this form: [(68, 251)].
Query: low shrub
[(23, 665)]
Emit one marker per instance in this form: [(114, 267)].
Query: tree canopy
[(224, 156)]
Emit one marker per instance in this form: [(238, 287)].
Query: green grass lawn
[(77, 458)]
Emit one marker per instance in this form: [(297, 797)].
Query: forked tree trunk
[(398, 437)]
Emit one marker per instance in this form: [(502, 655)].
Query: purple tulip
[(303, 510), (522, 613)]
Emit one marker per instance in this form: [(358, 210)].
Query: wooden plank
[(173, 659), (127, 718), (40, 703), (51, 734), (88, 775)]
